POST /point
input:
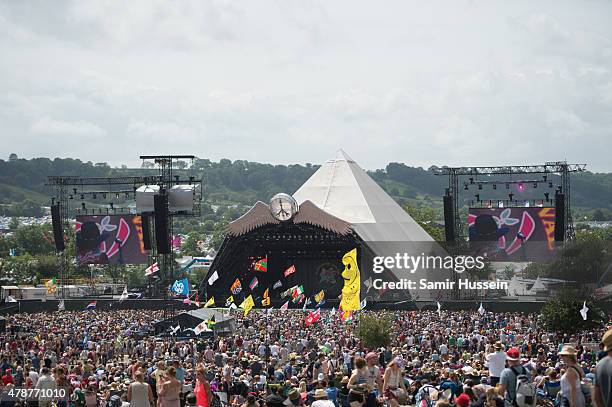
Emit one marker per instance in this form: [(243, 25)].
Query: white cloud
[(47, 126), (456, 83)]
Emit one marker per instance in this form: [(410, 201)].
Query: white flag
[(202, 327), (152, 269), (333, 311), (213, 278), (61, 306), (481, 309), (584, 311), (439, 308), (368, 283), (233, 306), (175, 329)]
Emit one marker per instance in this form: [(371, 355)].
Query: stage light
[(191, 179), (75, 190), (510, 195), (550, 185), (477, 197), (507, 185), (93, 196), (82, 196), (117, 195), (500, 204), (70, 197), (52, 201), (471, 180), (104, 195), (466, 186), (521, 187), (83, 205), (112, 206), (535, 184), (127, 194), (494, 186), (546, 195), (480, 187), (545, 177)]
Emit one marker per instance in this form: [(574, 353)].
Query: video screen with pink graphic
[(512, 234), (110, 239)]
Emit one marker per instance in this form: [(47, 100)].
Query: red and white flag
[(313, 317), (152, 269), (290, 270)]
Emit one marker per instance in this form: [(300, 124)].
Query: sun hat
[(568, 350), (320, 394)]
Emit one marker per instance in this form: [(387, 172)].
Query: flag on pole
[(319, 296), (290, 270), (152, 269), (61, 306), (306, 303), (51, 286), (187, 301), (261, 265), (276, 285), (266, 298), (363, 304), (313, 317), (229, 300), (253, 284), (181, 286), (91, 305), (247, 305), (236, 287), (285, 306), (584, 310), (210, 302), (201, 327), (232, 306), (439, 308), (213, 278), (333, 311), (174, 329), (481, 309), (197, 300), (297, 291)]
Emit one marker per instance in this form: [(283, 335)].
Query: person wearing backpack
[(515, 382), (571, 387)]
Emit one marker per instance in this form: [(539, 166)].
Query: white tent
[(342, 188)]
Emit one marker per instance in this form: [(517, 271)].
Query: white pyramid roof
[(342, 188)]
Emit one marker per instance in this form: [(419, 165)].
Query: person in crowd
[(602, 389), (202, 388), (139, 393), (571, 389), (496, 362), (393, 384), (507, 385), (170, 389)]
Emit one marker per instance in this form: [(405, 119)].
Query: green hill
[(232, 186)]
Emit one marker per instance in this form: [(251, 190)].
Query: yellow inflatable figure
[(352, 282)]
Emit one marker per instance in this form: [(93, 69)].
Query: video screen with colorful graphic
[(110, 239), (512, 234)]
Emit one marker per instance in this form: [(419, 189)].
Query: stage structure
[(123, 234), (301, 240), (509, 186)]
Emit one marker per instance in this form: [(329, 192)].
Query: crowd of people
[(275, 359)]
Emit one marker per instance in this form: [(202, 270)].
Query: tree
[(562, 313), (13, 157), (375, 330), (35, 239)]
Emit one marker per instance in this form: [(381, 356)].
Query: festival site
[(211, 203)]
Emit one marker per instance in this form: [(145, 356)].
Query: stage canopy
[(340, 208)]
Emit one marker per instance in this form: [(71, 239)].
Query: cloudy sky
[(422, 82)]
